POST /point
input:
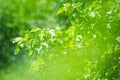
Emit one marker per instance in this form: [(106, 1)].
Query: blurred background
[(17, 16)]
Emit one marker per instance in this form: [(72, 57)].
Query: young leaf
[(17, 39), (61, 10), (35, 29)]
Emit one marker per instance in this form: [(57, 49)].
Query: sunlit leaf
[(61, 10)]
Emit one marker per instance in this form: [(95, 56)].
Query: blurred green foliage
[(17, 16), (88, 50), (81, 44)]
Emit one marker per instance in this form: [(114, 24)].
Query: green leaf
[(17, 50), (61, 10), (35, 29), (17, 39)]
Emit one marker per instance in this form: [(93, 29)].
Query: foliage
[(16, 16), (88, 50)]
